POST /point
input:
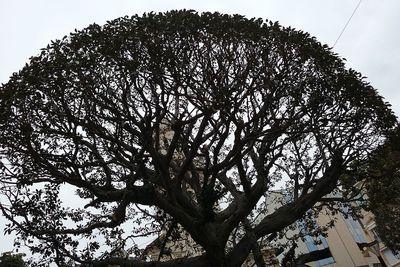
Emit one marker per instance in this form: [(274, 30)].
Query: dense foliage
[(383, 190), (11, 260), (177, 121)]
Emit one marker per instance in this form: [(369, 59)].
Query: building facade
[(350, 242)]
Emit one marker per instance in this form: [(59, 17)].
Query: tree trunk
[(216, 255)]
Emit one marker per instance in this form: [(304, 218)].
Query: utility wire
[(347, 23)]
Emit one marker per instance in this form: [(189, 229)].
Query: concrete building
[(350, 242), (377, 247)]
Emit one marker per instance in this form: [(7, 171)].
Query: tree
[(383, 187), (177, 121), (10, 260)]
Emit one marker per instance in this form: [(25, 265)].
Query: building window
[(311, 244), (356, 230), (324, 262), (392, 258)]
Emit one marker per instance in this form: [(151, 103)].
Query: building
[(349, 242), (390, 258)]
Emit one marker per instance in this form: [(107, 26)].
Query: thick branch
[(289, 213)]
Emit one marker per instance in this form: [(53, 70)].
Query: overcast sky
[(370, 42)]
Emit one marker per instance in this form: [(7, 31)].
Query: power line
[(347, 23)]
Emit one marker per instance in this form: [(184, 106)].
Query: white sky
[(370, 43)]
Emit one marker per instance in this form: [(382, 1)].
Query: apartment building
[(350, 242)]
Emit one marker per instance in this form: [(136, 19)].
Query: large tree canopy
[(177, 120)]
